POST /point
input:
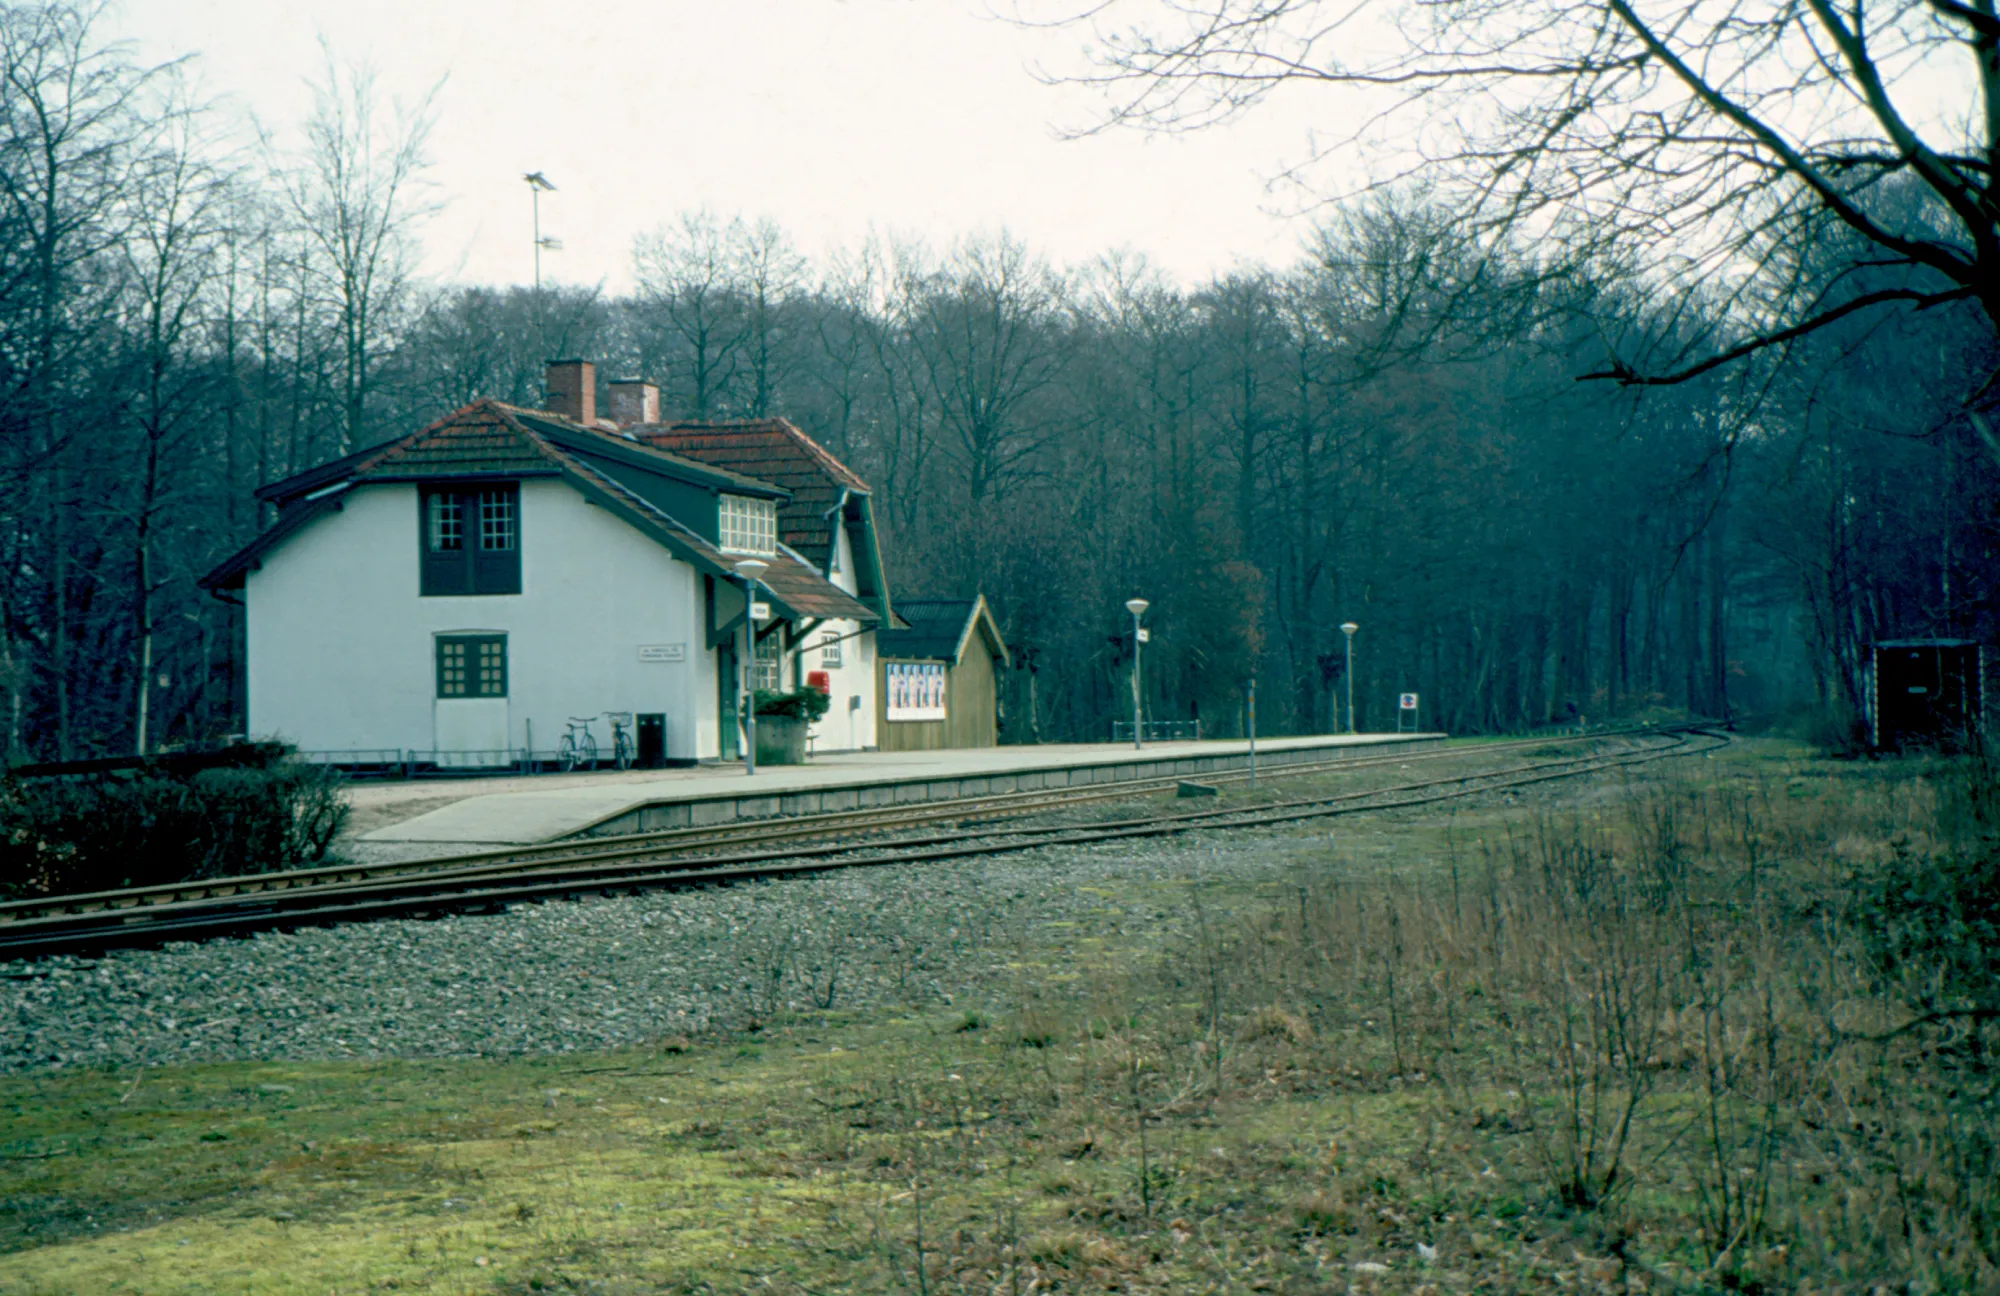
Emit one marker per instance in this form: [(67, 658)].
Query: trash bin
[(652, 751)]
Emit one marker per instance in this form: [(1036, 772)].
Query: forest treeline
[(1389, 431)]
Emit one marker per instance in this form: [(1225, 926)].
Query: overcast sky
[(833, 116)]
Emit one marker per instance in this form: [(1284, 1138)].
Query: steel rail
[(743, 832), (497, 887), (611, 863), (670, 841)]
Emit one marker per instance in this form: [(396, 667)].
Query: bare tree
[(355, 185), (688, 281), (1687, 142), (176, 198), (987, 325), (65, 116), (769, 273)]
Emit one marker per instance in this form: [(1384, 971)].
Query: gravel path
[(570, 975)]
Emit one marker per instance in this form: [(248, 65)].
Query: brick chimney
[(573, 391), (634, 400)]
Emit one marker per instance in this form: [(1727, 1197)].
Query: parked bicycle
[(623, 750), (578, 747)]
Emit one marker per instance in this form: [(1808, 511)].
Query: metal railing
[(413, 762), (418, 762), (355, 757), (1158, 731)]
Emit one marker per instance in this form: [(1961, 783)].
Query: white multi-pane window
[(496, 520), (767, 676), (447, 526), (749, 526), (829, 651)]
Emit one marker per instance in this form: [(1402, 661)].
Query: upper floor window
[(471, 540), (447, 523), (749, 525), (829, 650), (496, 519)]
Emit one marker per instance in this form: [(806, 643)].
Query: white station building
[(459, 595)]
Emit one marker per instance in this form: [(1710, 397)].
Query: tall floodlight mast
[(537, 182)]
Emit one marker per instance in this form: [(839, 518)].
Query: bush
[(1834, 729), (1936, 914), (807, 704), (150, 826)]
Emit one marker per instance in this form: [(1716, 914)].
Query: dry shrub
[(1751, 1019), (1325, 1214), (1274, 1023), (1033, 1029), (1082, 1253)]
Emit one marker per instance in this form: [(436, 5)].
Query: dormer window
[(749, 526), (471, 540)]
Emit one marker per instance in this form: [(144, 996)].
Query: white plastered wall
[(341, 643), (842, 728)]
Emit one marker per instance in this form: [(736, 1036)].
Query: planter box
[(781, 740)]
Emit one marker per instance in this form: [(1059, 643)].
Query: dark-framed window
[(471, 539), (472, 666), (748, 525)]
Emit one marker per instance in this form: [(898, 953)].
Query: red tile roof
[(491, 439), (776, 451), (477, 440)]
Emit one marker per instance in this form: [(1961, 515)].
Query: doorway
[(725, 709)]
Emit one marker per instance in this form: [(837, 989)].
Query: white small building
[(461, 595)]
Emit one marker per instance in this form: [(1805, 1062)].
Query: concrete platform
[(522, 810)]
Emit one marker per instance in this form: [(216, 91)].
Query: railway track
[(829, 824), (728, 853)]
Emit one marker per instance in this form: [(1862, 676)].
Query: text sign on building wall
[(675, 652), (1409, 701), (916, 691)]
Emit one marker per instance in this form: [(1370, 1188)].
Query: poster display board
[(916, 691)]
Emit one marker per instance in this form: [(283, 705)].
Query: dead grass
[(1707, 1029)]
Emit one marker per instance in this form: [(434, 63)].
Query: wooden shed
[(939, 679), (1928, 693)]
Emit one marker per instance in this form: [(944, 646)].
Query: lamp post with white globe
[(1348, 628), (749, 569), (1136, 607)]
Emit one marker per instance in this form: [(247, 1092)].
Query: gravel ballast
[(564, 976)]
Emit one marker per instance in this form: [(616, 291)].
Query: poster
[(916, 691)]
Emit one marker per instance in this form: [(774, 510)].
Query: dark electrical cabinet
[(1928, 692), (652, 751)]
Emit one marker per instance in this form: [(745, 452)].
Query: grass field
[(1715, 1025)]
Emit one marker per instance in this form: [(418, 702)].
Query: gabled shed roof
[(940, 630)]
